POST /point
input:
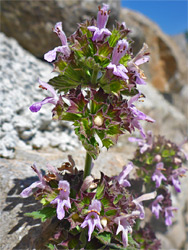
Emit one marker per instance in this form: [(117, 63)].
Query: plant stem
[(88, 164), (88, 160)]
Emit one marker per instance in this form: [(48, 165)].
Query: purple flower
[(175, 181), (144, 144), (118, 52), (138, 203), (169, 215), (54, 99), (62, 200), (155, 207), (122, 176), (138, 115), (37, 184), (140, 58), (92, 219), (157, 175), (124, 226), (100, 31), (64, 49)]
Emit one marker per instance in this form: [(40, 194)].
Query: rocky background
[(26, 137)]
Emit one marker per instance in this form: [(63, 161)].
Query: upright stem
[(88, 160), (88, 164)]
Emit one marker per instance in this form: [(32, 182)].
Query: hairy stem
[(88, 164)]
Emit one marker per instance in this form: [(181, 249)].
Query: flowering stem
[(88, 164)]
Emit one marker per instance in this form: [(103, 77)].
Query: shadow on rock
[(37, 234)]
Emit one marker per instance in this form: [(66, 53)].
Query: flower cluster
[(97, 82), (160, 163), (104, 207), (96, 89)]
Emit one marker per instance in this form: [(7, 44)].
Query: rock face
[(167, 70), (31, 23), (19, 89)]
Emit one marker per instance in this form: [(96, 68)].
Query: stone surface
[(20, 232), (19, 89), (167, 69), (31, 23)]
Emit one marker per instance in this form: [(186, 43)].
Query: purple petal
[(58, 30), (102, 16), (50, 55), (95, 205), (28, 191), (36, 107)]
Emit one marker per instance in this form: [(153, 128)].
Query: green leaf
[(111, 212), (44, 214), (104, 237), (51, 246), (165, 153), (107, 143), (125, 59), (117, 198), (115, 36), (70, 116), (105, 202), (100, 191), (73, 243), (85, 201)]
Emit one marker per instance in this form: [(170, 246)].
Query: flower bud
[(157, 158), (98, 121)]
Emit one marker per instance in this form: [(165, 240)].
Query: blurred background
[(25, 35)]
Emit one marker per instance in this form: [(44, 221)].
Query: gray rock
[(33, 21), (19, 89)]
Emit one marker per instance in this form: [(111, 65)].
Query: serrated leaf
[(100, 191), (117, 198), (70, 117), (115, 36), (111, 212), (107, 143), (44, 214), (104, 237), (105, 202), (85, 201), (124, 60)]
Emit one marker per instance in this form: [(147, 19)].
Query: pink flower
[(157, 175), (118, 52), (37, 184), (155, 207), (121, 178), (100, 31), (92, 220), (138, 203), (62, 200), (64, 49), (169, 215), (54, 99)]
